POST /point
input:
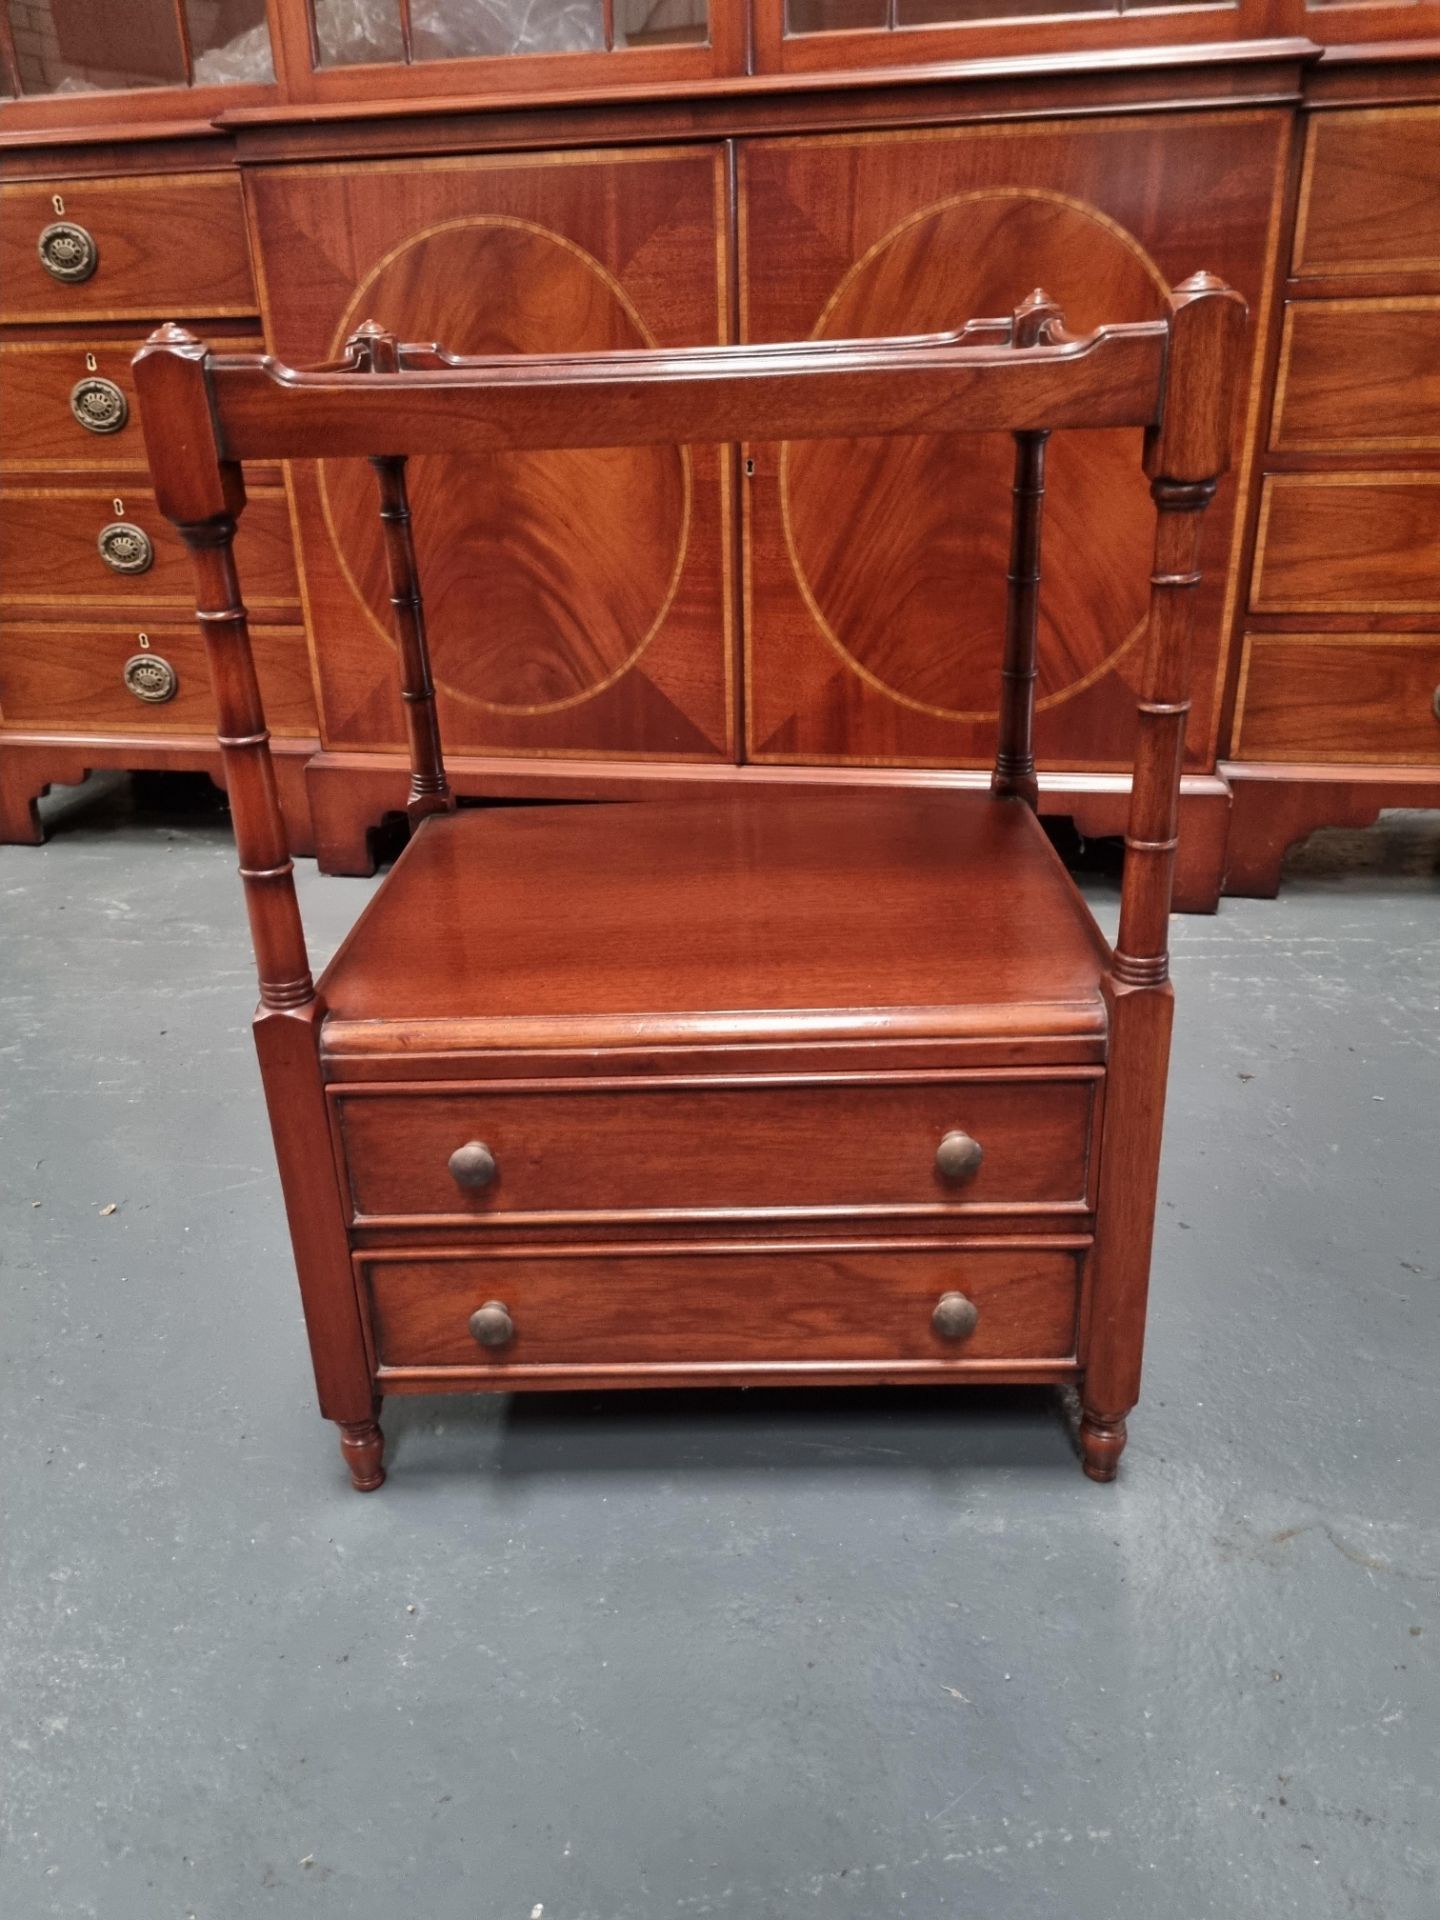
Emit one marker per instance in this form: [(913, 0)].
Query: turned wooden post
[(203, 494), (1014, 774), (429, 788), (1184, 457)]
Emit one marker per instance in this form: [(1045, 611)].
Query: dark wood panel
[(876, 571), (50, 557), (70, 677), (37, 381), (1340, 697), (1370, 197), (1358, 376), (167, 244), (1333, 543), (750, 1307), (627, 1147), (577, 602)]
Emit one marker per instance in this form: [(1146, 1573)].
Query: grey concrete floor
[(742, 1655)]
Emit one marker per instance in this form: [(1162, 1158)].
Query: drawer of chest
[(111, 547), (1370, 196), (1359, 376), (1341, 697), (71, 404), (81, 678), (117, 249), (509, 1312), (1348, 543), (949, 1145)]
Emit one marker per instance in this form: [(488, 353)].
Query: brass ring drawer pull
[(491, 1324), (150, 678), (99, 405), (473, 1165), (954, 1318), (68, 252), (126, 548), (958, 1156)]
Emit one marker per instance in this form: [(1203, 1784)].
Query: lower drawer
[(1340, 696), (605, 1311), (122, 679)]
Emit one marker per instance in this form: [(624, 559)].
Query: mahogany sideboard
[(663, 172)]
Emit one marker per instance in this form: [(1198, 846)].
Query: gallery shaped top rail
[(984, 377)]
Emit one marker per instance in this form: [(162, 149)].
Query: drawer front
[(1348, 543), (737, 1307), (72, 404), (1370, 199), (1340, 697), (50, 550), (1359, 376), (727, 1149), (117, 679), (122, 249)]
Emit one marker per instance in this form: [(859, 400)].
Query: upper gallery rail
[(438, 403)]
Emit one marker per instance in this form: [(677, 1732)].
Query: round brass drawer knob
[(126, 548), (954, 1317), (472, 1165), (99, 405), (68, 252), (958, 1156), (491, 1324), (150, 678)]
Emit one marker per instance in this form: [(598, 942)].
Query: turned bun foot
[(1102, 1441), (363, 1446)]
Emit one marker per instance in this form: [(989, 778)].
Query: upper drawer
[(121, 249), (70, 405), (1370, 200), (1348, 543), (1359, 376), (837, 1148), (53, 542)]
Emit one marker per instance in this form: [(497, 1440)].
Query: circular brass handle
[(68, 252), (150, 678), (125, 547), (472, 1165), (954, 1317), (99, 405), (491, 1324), (958, 1156)]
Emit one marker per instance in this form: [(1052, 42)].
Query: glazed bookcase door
[(578, 603), (69, 62), (875, 571), (797, 36), (336, 49)]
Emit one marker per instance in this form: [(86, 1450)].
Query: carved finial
[(1203, 282), (1035, 319), (367, 330), (171, 334)]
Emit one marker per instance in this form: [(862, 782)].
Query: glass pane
[(833, 16), (661, 23), (927, 13), (229, 42), (454, 29), (354, 32), (73, 46)]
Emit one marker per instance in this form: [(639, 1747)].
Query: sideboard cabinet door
[(875, 570), (578, 602)]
